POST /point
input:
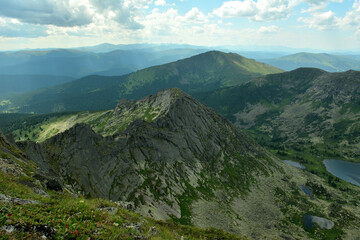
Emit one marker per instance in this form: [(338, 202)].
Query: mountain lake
[(347, 171)]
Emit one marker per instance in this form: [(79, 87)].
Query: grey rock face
[(15, 200), (158, 161), (110, 210)]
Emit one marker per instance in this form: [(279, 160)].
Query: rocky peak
[(157, 104), (172, 149)]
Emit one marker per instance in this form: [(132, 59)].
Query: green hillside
[(203, 72), (306, 114)]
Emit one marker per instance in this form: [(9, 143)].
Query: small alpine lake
[(347, 171)]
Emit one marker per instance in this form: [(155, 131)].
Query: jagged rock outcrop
[(153, 162), (10, 158), (173, 158)]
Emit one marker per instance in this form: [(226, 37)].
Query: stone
[(314, 221), (110, 210), (15, 200)]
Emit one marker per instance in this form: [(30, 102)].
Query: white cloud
[(352, 17), (134, 4), (261, 10), (269, 29), (328, 20), (161, 23), (194, 16), (320, 2), (274, 9), (88, 22), (12, 28), (318, 5), (171, 27), (315, 7), (160, 3), (123, 12), (72, 13), (244, 8), (60, 13), (322, 21)]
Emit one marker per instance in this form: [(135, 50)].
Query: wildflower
[(76, 232), (115, 224), (9, 214), (82, 201)]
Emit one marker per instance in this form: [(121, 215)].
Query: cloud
[(123, 12), (160, 3), (322, 21), (320, 2), (274, 9), (318, 5), (72, 13), (245, 8), (170, 26), (59, 13), (315, 7), (269, 29), (328, 20), (352, 17), (10, 28), (194, 16), (261, 10)]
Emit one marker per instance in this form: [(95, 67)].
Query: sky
[(331, 25)]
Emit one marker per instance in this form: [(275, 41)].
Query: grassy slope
[(79, 218), (41, 127)]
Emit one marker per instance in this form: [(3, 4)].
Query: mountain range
[(168, 156), (324, 61), (75, 63), (206, 71)]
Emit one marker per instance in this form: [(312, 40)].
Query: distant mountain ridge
[(75, 63), (12, 84), (206, 71), (327, 62)]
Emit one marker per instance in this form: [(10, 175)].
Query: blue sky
[(328, 25)]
